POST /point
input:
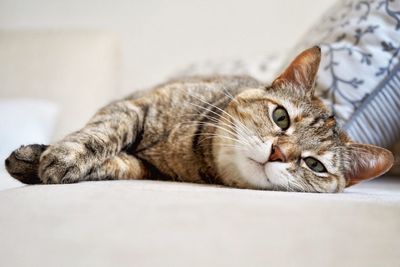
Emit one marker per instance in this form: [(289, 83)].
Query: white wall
[(159, 36)]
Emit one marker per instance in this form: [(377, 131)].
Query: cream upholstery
[(150, 223)]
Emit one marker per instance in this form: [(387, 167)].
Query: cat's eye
[(281, 118), (314, 164)]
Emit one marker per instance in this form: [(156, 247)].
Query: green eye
[(281, 118), (315, 164)]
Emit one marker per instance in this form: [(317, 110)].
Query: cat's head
[(283, 137)]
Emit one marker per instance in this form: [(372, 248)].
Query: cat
[(228, 130)]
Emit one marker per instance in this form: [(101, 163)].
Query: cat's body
[(230, 130), (176, 138)]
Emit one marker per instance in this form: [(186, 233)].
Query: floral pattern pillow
[(359, 75)]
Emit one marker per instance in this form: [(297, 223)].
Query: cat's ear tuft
[(302, 71), (367, 162)]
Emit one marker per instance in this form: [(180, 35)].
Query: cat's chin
[(241, 170), (253, 174), (278, 175), (271, 175), (274, 170)]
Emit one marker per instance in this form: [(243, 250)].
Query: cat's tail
[(23, 163)]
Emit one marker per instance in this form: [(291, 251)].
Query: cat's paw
[(23, 163), (63, 163)]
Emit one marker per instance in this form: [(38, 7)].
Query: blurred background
[(158, 37)]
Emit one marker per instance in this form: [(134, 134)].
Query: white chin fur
[(238, 170), (277, 173), (252, 172)]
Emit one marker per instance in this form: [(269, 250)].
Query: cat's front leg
[(65, 162), (107, 133)]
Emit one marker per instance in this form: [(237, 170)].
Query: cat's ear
[(367, 162), (302, 71)]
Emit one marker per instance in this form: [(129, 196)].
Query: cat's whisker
[(230, 146), (293, 185), (190, 123), (287, 185), (238, 123), (163, 154), (223, 137), (213, 119), (298, 185), (207, 109), (246, 139), (234, 133), (213, 134), (231, 129), (221, 128), (237, 141), (244, 136), (216, 135), (221, 110), (209, 117), (228, 94)]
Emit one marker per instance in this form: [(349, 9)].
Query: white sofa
[(152, 223)]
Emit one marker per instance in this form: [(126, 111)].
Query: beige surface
[(150, 223), (76, 69)]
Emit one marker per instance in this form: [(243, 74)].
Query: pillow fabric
[(23, 121), (359, 75)]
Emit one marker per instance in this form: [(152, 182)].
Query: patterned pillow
[(359, 76)]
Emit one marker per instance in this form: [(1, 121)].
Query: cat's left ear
[(302, 71), (367, 162)]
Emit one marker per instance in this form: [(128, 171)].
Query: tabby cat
[(231, 130)]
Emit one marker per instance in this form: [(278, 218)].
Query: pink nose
[(277, 154)]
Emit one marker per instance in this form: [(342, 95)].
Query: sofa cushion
[(153, 223)]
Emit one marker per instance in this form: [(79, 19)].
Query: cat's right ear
[(367, 162), (302, 71)]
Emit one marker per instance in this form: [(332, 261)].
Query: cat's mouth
[(262, 164), (263, 167)]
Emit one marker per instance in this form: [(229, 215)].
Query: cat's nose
[(277, 154)]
